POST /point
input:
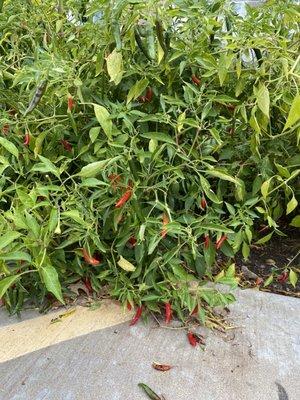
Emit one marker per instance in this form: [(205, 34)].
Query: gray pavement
[(258, 360)]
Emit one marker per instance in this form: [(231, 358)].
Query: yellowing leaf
[(292, 204), (265, 188), (137, 89), (114, 64), (294, 114), (293, 277), (126, 265)]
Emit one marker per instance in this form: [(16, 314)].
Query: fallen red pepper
[(283, 277), (192, 339), (168, 313), (196, 80), (126, 196), (203, 203), (221, 241), (259, 281), (88, 259), (137, 316), (87, 284), (70, 103), (67, 145), (26, 139)]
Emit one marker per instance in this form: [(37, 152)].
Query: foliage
[(185, 108)]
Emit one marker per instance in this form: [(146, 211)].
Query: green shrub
[(187, 109)]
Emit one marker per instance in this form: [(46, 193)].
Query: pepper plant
[(138, 141)]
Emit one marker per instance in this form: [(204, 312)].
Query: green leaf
[(264, 239), (8, 238), (73, 214), (96, 167), (46, 166), (284, 172), (6, 283), (293, 278), (294, 114), (224, 176), (268, 281), (50, 278), (263, 100), (216, 228), (296, 221), (94, 132), (162, 137), (114, 64), (9, 147), (16, 255), (137, 89), (126, 265), (103, 117), (292, 204)]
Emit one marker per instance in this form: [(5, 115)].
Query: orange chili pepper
[(196, 80), (221, 241), (165, 222), (70, 103), (26, 139), (88, 259), (206, 241), (126, 196)]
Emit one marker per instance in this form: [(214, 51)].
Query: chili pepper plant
[(139, 141)]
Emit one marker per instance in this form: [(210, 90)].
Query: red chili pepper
[(126, 196), (230, 107), (5, 129), (206, 241), (149, 95), (88, 259), (129, 306), (165, 222), (137, 316), (168, 313), (196, 80), (283, 277), (132, 241), (221, 241), (142, 99), (203, 203), (26, 139), (192, 339), (259, 281), (67, 145), (70, 103), (87, 284), (195, 310)]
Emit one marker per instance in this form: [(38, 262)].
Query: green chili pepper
[(117, 34), (160, 34), (150, 42), (36, 97), (140, 44), (1, 5), (258, 56), (167, 40)]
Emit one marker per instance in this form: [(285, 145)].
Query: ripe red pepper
[(149, 95), (70, 103), (192, 339), (195, 310), (165, 222), (126, 196), (88, 259), (132, 241), (129, 306), (196, 80), (221, 241), (87, 284), (168, 313), (283, 277), (259, 281), (67, 145), (137, 316), (203, 203), (26, 139), (206, 241)]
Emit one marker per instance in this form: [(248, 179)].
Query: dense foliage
[(139, 139)]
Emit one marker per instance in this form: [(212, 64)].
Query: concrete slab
[(259, 360)]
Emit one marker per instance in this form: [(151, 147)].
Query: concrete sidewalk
[(259, 360)]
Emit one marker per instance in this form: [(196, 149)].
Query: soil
[(279, 254)]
